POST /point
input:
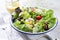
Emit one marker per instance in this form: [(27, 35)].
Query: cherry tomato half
[(38, 17)]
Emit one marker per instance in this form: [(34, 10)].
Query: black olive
[(13, 19), (46, 27), (18, 10), (12, 15), (22, 22), (19, 18)]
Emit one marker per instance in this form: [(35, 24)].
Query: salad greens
[(33, 19), (25, 15)]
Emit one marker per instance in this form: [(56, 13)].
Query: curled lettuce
[(39, 26), (51, 22), (25, 15), (27, 28), (48, 14)]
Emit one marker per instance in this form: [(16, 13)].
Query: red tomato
[(38, 17)]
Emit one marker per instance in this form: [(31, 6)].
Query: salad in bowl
[(33, 20)]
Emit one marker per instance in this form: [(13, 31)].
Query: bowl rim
[(29, 33)]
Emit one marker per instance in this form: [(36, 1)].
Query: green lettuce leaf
[(48, 14), (16, 23), (27, 28), (35, 29), (38, 26), (15, 15), (51, 22), (25, 15)]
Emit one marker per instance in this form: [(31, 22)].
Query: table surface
[(8, 33)]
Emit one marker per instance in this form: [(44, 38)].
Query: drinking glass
[(11, 5)]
